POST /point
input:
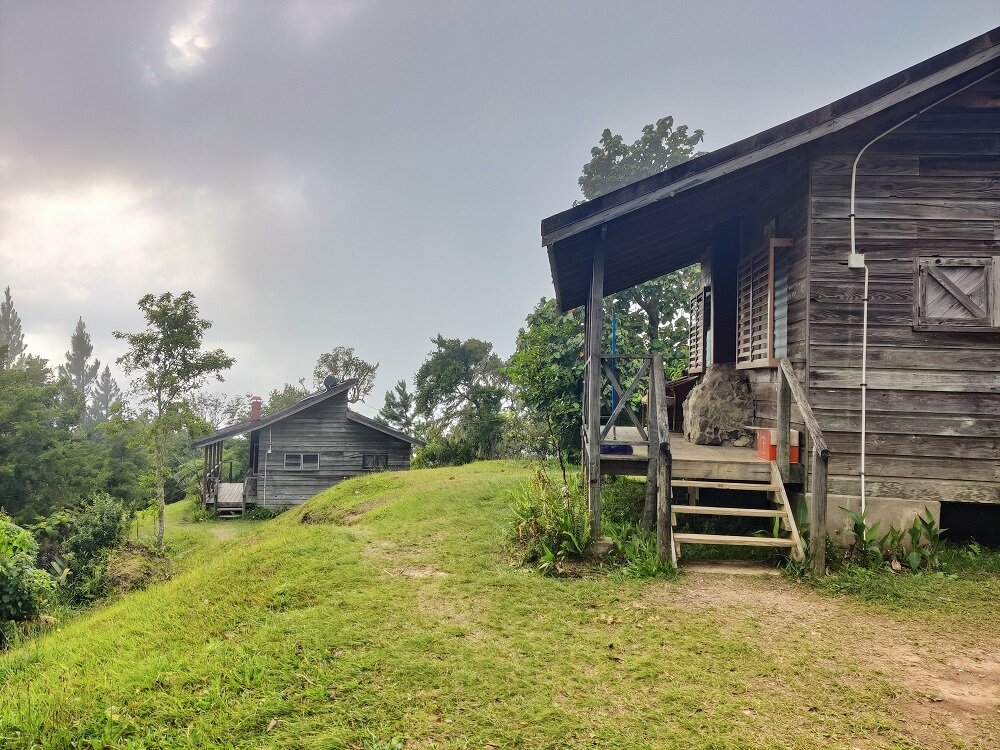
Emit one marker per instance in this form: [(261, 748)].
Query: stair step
[(749, 541), (710, 510), (705, 484)]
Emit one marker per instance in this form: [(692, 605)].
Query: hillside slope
[(385, 613)]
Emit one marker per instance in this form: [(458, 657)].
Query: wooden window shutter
[(955, 294), (696, 333), (755, 313)]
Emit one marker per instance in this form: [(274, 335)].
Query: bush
[(262, 513), (132, 567), (623, 500), (101, 526), (552, 522), (24, 589)]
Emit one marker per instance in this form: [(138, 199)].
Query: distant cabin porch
[(225, 494)]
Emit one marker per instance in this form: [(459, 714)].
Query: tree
[(461, 388), (104, 396), (661, 302), (11, 338), (286, 396), (79, 370), (614, 164), (399, 410), (171, 365), (547, 371), (343, 364)]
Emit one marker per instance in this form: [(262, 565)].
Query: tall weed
[(551, 522)]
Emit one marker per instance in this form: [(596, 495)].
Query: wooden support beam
[(817, 513), (784, 419), (652, 426), (595, 327), (664, 465)]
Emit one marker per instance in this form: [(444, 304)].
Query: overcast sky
[(369, 173)]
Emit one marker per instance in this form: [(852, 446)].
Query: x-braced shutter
[(954, 293), (696, 334)]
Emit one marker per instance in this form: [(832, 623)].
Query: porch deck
[(705, 462)]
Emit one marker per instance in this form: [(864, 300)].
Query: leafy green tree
[(288, 394), (614, 163), (344, 364), (400, 409), (12, 345), (104, 395), (79, 370), (462, 389), (662, 302), (547, 372), (168, 358)]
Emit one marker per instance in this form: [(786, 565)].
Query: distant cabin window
[(956, 294), (302, 461), (696, 332), (762, 306), (375, 461)]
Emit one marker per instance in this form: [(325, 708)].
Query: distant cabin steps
[(230, 503), (787, 537)]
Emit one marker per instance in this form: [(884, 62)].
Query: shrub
[(623, 500), (24, 589), (262, 513), (552, 522), (637, 548), (101, 526), (132, 567)]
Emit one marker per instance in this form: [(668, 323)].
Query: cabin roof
[(661, 223), (311, 400)]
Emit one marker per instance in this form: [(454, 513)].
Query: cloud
[(191, 38)]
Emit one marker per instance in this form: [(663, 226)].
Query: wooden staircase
[(229, 502), (788, 540)]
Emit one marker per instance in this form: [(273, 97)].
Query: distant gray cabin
[(299, 451)]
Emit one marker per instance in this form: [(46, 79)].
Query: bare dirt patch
[(948, 678), (422, 571)]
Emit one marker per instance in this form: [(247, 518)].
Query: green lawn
[(388, 613)]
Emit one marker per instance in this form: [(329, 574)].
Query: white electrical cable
[(856, 260)]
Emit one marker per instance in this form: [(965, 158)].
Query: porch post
[(595, 326)]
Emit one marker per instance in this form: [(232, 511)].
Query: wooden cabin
[(783, 298), (299, 451)]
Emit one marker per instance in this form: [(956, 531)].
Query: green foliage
[(461, 390), (552, 523), (24, 589), (287, 395), (12, 347), (919, 546), (637, 548), (399, 409), (614, 163), (105, 395), (622, 501), (79, 370), (171, 365), (546, 371), (263, 513), (344, 364), (101, 525)]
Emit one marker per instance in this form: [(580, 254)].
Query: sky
[(369, 173)]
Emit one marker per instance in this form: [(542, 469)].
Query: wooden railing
[(659, 434), (789, 388)]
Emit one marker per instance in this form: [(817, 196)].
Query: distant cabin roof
[(311, 400), (660, 224)]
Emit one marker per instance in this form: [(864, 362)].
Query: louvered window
[(696, 333), (956, 294), (755, 307)]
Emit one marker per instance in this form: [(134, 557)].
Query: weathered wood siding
[(341, 444), (784, 214), (931, 188)]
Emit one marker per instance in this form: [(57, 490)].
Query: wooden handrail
[(788, 388), (815, 433)]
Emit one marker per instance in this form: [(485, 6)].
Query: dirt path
[(948, 677)]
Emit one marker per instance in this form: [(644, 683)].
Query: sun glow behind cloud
[(191, 38)]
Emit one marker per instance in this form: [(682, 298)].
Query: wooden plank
[(910, 358), (916, 423), (978, 188), (934, 446), (817, 513), (715, 510), (727, 539), (908, 379), (871, 163), (812, 426), (904, 229), (595, 327), (917, 467), (944, 490), (783, 418), (712, 485), (868, 209)]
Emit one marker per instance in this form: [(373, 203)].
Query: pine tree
[(105, 394), (399, 410), (12, 346), (79, 370)]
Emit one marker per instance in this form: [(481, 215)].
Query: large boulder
[(718, 409)]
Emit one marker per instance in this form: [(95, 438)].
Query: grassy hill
[(388, 613)]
